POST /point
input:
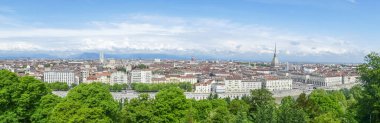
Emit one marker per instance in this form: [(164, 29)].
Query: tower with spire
[(275, 62), (101, 57)]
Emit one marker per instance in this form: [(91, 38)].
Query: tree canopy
[(19, 96)]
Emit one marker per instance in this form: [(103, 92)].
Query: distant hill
[(17, 55)]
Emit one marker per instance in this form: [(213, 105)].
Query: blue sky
[(305, 30)]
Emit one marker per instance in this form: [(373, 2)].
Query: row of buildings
[(235, 84), (207, 76), (116, 77)]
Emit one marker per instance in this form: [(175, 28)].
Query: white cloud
[(19, 46), (160, 34)]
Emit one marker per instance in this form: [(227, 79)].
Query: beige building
[(275, 83), (236, 84), (204, 87), (141, 76)]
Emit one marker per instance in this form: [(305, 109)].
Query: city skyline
[(305, 31)]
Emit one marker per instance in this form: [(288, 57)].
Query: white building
[(141, 76), (248, 85), (350, 79), (204, 87), (235, 84), (326, 80), (118, 78), (219, 88), (300, 78), (60, 76), (275, 83), (84, 74), (174, 79)]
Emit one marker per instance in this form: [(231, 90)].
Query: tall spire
[(275, 49), (275, 59)]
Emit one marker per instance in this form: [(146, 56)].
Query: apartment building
[(119, 77), (236, 84), (141, 76), (276, 83), (60, 76)]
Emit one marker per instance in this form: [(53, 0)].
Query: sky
[(304, 30)]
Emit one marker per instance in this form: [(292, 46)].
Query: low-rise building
[(119, 77), (203, 87), (275, 83), (141, 76), (248, 85), (350, 79), (236, 84), (60, 76), (233, 84), (325, 80)]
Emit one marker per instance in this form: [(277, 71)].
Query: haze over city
[(305, 31)]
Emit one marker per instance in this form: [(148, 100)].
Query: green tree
[(262, 106), (203, 109), (142, 66), (19, 96), (302, 101), (143, 87), (288, 112), (327, 118), (45, 108), (58, 86), (265, 113), (320, 102), (138, 110), (171, 105), (260, 97), (239, 109), (237, 106), (220, 115), (369, 104), (86, 102)]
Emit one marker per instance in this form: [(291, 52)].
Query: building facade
[(248, 85), (119, 77), (204, 87), (235, 84), (275, 84), (60, 76), (326, 80), (141, 76)]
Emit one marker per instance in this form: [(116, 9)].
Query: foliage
[(141, 66), (138, 110), (44, 109), (203, 109), (19, 96), (122, 69), (170, 105), (321, 102), (265, 114), (259, 97), (288, 112), (143, 87), (369, 104), (86, 102), (58, 86)]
